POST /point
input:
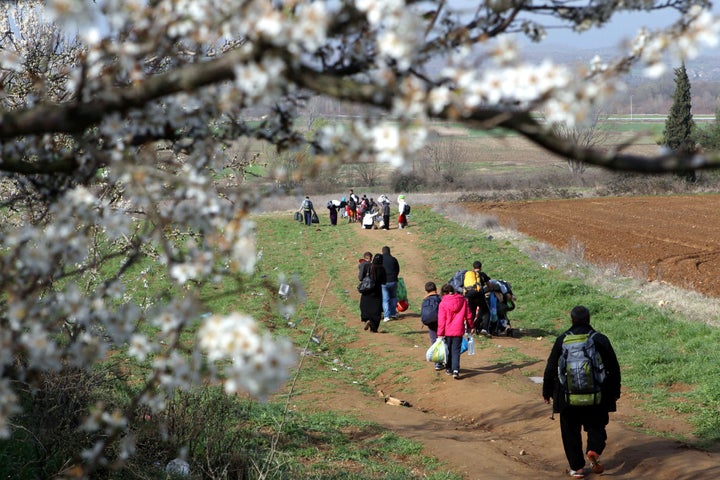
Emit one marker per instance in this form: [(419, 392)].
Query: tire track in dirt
[(492, 424)]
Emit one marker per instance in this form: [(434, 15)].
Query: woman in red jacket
[(453, 315)]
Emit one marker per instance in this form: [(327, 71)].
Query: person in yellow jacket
[(475, 284)]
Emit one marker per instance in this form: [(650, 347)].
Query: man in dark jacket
[(389, 289), (592, 418), (385, 207)]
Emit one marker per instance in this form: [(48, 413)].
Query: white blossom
[(260, 363), (8, 407), (439, 99), (311, 24), (140, 347), (42, 352)]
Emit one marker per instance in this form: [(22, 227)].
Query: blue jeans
[(389, 294)]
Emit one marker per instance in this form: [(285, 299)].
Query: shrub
[(407, 182), (47, 435)]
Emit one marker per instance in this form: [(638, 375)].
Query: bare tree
[(589, 135), (366, 173), (442, 160)]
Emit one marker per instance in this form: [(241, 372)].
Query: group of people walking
[(380, 303), (453, 313), (366, 211)]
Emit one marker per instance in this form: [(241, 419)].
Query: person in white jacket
[(402, 217)]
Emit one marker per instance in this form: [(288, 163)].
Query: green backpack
[(581, 370)]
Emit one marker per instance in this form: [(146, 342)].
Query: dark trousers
[(591, 419), (386, 222), (453, 361), (478, 307)]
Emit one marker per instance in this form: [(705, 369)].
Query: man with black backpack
[(476, 284), (308, 211), (582, 376)]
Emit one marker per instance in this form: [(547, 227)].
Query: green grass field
[(658, 351)]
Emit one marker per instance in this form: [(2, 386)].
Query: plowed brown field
[(674, 239)]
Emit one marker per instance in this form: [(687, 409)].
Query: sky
[(624, 26)]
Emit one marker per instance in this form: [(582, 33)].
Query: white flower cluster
[(8, 406), (260, 80), (399, 30), (385, 142), (259, 364), (697, 29), (564, 96), (239, 234), (304, 30)]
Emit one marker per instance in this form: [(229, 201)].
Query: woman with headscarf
[(402, 216), (371, 308)]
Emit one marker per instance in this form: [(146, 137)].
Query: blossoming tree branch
[(115, 115)]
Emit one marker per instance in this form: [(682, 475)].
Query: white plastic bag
[(437, 352)]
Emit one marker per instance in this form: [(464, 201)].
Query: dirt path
[(492, 423)]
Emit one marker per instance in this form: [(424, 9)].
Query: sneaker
[(448, 372), (485, 333), (456, 374), (393, 317), (594, 460), (439, 366), (576, 473), (386, 319)]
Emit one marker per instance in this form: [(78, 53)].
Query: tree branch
[(76, 117)]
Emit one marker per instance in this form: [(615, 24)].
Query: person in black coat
[(371, 304), (593, 418), (385, 208)]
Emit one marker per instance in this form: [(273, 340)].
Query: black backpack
[(429, 310), (406, 209), (580, 369), (367, 284), (506, 290)]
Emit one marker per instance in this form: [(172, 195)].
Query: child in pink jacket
[(453, 315)]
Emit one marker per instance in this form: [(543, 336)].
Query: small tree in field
[(589, 135), (366, 174), (441, 161), (678, 134)]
